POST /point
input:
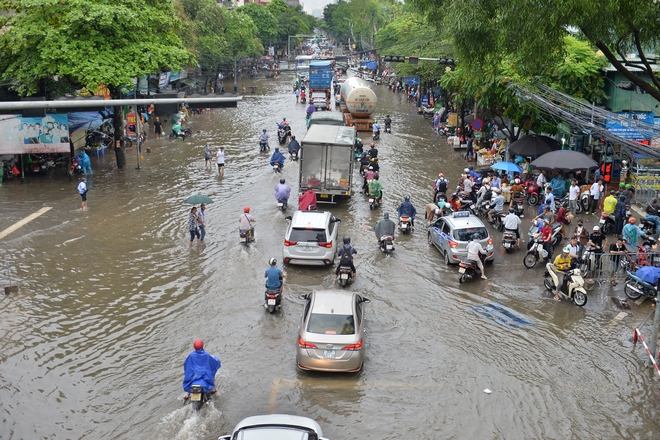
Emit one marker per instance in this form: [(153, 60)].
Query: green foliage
[(87, 42), (263, 19), (359, 19)]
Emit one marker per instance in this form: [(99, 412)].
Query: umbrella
[(507, 166), (198, 199), (533, 145), (565, 160)]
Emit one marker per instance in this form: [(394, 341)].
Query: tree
[(87, 43), (263, 20), (533, 34)]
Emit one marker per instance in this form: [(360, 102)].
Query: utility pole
[(137, 135), (654, 335)]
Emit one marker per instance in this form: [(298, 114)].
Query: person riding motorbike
[(274, 276), (561, 264), (263, 138), (517, 190), (359, 146), (284, 123), (278, 158), (498, 207), (512, 223), (283, 192), (485, 193), (294, 146), (345, 254), (376, 189), (610, 203), (384, 227), (310, 109), (245, 222), (374, 164), (545, 233), (375, 128), (407, 209), (364, 162), (388, 122), (199, 368), (368, 177), (373, 151), (474, 248)]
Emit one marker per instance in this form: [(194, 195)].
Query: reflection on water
[(112, 299)]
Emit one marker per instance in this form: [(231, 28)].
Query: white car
[(276, 427), (311, 238)]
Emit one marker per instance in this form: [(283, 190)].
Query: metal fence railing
[(605, 267)]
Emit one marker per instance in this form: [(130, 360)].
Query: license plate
[(243, 239), (388, 247), (404, 225), (195, 397), (271, 302), (507, 245), (461, 270), (344, 276), (371, 200), (473, 206), (330, 354), (520, 207), (280, 204), (324, 196), (628, 213)]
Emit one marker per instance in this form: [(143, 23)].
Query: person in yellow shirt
[(561, 264), (609, 203)]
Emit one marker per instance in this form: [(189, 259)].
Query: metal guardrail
[(605, 267)]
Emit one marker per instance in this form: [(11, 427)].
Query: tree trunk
[(120, 151)]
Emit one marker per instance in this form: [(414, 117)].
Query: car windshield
[(275, 433), (331, 324), (314, 235), (467, 233)]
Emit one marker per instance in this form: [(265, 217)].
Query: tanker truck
[(358, 102)]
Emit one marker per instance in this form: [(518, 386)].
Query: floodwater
[(111, 299)]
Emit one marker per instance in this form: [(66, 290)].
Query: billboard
[(629, 130), (37, 135)]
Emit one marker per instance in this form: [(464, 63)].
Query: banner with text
[(36, 135)]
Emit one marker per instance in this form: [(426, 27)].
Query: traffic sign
[(477, 124)]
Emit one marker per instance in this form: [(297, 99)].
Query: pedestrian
[(468, 154), (193, 224), (201, 222), (616, 251), (221, 162), (595, 193), (207, 157), (158, 127), (297, 96), (581, 233), (82, 190), (573, 195), (619, 215)]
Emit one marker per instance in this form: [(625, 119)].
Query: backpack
[(346, 257), (441, 185), (488, 195)]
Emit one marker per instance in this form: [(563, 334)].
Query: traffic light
[(447, 61), (413, 60), (394, 59)]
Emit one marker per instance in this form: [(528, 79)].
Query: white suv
[(311, 238)]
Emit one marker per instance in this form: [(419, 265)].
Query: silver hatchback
[(311, 238), (452, 233), (331, 334)]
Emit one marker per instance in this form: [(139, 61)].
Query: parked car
[(451, 235), (276, 426), (311, 238), (331, 334)]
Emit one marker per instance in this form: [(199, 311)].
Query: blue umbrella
[(507, 166)]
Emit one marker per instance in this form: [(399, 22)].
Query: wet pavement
[(111, 299)]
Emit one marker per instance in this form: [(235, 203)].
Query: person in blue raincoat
[(199, 368), (85, 163), (277, 157)]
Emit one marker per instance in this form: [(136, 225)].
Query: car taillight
[(290, 243), (490, 240), (353, 347), (325, 244), (303, 344), (452, 243)]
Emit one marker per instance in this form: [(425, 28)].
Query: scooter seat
[(273, 291)]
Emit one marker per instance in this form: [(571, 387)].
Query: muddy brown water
[(110, 301)]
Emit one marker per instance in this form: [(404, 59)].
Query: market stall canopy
[(507, 166), (198, 199), (533, 145), (565, 160)]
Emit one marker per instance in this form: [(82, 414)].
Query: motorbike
[(272, 299), (373, 202), (11, 171), (573, 287), (518, 206), (376, 135), (482, 210), (535, 253), (497, 221), (387, 244), (606, 223), (388, 128), (509, 240), (246, 237), (263, 146), (468, 269), (405, 224), (303, 99), (282, 204), (345, 275), (428, 113), (277, 167), (445, 131), (281, 135), (198, 397), (181, 134), (532, 192), (635, 287), (647, 226), (293, 155), (74, 168)]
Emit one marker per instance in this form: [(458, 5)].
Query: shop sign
[(564, 128), (645, 182), (163, 80), (629, 130), (412, 80), (35, 135), (452, 119)]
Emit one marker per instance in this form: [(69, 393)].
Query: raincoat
[(199, 368), (277, 157), (384, 227)]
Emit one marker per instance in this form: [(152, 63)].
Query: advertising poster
[(37, 135)]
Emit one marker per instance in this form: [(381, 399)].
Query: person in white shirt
[(221, 162), (595, 192), (541, 180), (82, 190), (573, 194), (474, 248), (512, 223)]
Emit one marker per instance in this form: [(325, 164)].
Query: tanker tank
[(358, 97)]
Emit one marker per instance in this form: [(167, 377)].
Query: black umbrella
[(565, 160), (533, 145)]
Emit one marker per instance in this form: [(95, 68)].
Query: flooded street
[(111, 300)]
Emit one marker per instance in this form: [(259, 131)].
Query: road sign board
[(477, 124)]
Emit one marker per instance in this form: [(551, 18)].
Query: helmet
[(347, 239), (596, 229), (471, 167), (632, 220), (624, 162), (246, 209), (277, 148), (466, 170), (441, 175), (371, 168), (198, 344), (264, 130), (284, 119), (372, 145), (612, 192), (386, 215), (622, 185), (272, 261), (476, 236), (517, 181), (282, 181), (358, 139), (387, 116), (566, 249), (406, 198), (511, 211), (628, 186)]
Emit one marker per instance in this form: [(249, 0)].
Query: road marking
[(24, 222), (641, 300), (617, 319)]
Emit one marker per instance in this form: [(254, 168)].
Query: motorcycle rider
[(375, 129), (384, 227), (374, 164), (574, 251), (632, 232), (485, 193), (294, 146), (278, 158), (310, 109), (474, 248), (610, 203), (434, 210), (545, 233), (368, 177), (245, 222), (561, 264), (364, 162), (284, 123), (512, 223), (652, 214), (499, 205), (373, 151), (626, 193), (407, 209), (359, 146), (263, 138), (441, 184), (345, 254), (517, 191), (549, 198), (199, 368), (283, 192), (388, 122), (376, 189), (274, 276)]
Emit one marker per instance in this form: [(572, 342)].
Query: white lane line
[(641, 300), (24, 222)]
